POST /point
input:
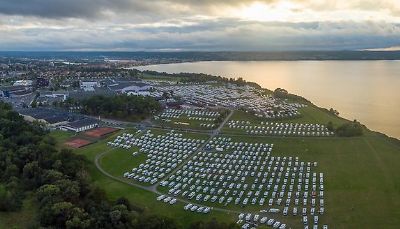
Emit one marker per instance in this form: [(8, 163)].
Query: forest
[(121, 107)]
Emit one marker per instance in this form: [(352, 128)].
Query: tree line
[(59, 179), (284, 94), (348, 129), (122, 107), (202, 78)]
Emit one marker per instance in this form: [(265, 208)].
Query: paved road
[(148, 124), (218, 130)]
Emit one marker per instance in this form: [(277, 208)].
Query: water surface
[(368, 91)]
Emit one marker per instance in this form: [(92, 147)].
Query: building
[(80, 125), (89, 85), (131, 88), (4, 66), (108, 82), (15, 91), (50, 97), (26, 83), (50, 117)]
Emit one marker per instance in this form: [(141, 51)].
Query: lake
[(368, 91)]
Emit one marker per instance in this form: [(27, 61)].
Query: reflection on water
[(368, 91)]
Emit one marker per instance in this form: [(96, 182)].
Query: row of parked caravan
[(228, 173), (164, 153), (285, 129), (201, 115), (245, 174)]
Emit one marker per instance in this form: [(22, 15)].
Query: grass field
[(309, 114), (362, 179), (21, 219), (188, 124), (141, 198), (119, 161), (186, 134), (362, 176)]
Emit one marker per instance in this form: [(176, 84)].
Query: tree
[(9, 200), (120, 107), (156, 222), (165, 96), (350, 129), (30, 162), (329, 126), (32, 174), (79, 219), (123, 201), (75, 84), (48, 194), (34, 104), (334, 112), (213, 224)]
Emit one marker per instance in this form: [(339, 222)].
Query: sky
[(199, 25)]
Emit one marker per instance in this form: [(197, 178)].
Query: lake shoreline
[(360, 102)]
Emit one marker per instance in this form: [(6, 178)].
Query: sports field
[(77, 143)]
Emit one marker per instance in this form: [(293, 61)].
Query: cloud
[(211, 35), (196, 25), (101, 8), (90, 9), (73, 8)]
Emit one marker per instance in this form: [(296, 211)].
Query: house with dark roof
[(15, 91), (49, 117), (80, 94)]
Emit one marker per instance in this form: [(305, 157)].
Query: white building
[(132, 88), (80, 125), (25, 83), (89, 85)]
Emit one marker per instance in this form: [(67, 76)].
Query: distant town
[(49, 92)]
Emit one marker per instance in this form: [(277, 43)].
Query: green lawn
[(185, 123), (61, 137), (362, 176), (119, 161), (309, 114), (312, 114), (141, 198), (21, 219), (186, 134)]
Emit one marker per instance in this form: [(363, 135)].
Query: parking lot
[(188, 118), (251, 99), (223, 173), (164, 153)]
